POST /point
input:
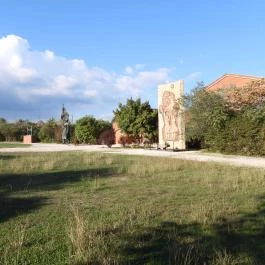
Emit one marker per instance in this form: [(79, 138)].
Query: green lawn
[(12, 145), (92, 208)]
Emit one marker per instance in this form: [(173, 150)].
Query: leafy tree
[(2, 120), (3, 126), (234, 125), (137, 119), (103, 125), (47, 131), (207, 114), (243, 134), (88, 128), (12, 131), (24, 127)]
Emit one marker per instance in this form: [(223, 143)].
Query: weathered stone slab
[(171, 126)]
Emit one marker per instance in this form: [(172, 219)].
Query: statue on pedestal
[(65, 126)]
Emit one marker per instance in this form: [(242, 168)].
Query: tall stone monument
[(171, 126)]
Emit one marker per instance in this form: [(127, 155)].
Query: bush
[(243, 134), (88, 129), (214, 123), (138, 120), (207, 115), (49, 132)]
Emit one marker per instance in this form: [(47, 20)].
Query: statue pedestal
[(27, 139)]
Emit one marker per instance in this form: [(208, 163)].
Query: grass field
[(91, 208), (12, 145)]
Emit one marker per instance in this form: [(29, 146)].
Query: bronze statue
[(66, 126)]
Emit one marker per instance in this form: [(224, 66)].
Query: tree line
[(135, 118), (230, 121), (85, 130)]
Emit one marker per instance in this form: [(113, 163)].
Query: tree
[(23, 127), (47, 131), (13, 131), (229, 121), (103, 125), (3, 126), (137, 119), (207, 114), (88, 128)]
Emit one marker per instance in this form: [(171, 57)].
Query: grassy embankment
[(83, 208)]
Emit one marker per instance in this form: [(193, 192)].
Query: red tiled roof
[(231, 80)]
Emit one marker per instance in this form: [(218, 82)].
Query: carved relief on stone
[(170, 111), (171, 125)]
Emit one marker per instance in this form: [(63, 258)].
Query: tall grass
[(92, 208)]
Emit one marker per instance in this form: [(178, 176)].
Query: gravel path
[(186, 155)]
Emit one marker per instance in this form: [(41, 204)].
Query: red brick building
[(239, 90), (114, 136), (231, 80)]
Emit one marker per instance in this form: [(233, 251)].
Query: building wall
[(231, 80), (119, 137)]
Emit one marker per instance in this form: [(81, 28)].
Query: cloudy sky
[(91, 55)]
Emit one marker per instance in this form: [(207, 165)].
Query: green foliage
[(3, 125), (11, 132), (103, 125), (243, 134), (213, 123), (88, 128), (48, 131), (207, 114), (15, 131), (137, 119)]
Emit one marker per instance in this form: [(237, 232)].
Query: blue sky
[(91, 55)]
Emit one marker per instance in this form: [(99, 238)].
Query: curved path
[(245, 161)]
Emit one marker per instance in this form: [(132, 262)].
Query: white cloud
[(91, 93), (48, 55), (12, 65), (140, 81), (42, 78), (61, 85), (128, 70)]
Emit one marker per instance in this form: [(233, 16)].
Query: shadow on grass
[(245, 235), (241, 240), (10, 184), (168, 243), (237, 241), (51, 180), (14, 206), (6, 157)]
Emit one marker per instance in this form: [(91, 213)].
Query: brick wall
[(231, 80)]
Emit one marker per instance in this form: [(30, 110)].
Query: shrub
[(48, 131), (214, 123), (88, 128)]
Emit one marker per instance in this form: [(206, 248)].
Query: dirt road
[(186, 155)]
